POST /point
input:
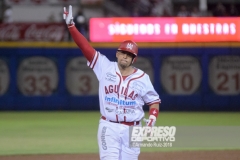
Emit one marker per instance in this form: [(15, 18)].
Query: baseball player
[(123, 90)]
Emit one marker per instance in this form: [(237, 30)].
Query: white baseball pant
[(113, 142)]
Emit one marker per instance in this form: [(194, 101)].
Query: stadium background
[(201, 85)]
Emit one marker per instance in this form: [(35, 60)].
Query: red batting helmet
[(129, 46)]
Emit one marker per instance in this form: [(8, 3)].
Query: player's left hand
[(151, 121), (67, 15)]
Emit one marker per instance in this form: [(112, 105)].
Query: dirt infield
[(180, 155)]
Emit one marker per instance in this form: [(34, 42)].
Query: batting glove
[(151, 121), (67, 16)]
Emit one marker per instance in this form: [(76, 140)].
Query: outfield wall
[(54, 76)]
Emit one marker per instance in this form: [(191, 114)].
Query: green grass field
[(76, 132)]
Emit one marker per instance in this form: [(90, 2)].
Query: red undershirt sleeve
[(87, 50)]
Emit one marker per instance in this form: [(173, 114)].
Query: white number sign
[(80, 79), (224, 75), (181, 74), (37, 76)]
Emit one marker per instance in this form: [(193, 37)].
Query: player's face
[(124, 58)]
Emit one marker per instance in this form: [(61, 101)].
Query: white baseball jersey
[(122, 100)]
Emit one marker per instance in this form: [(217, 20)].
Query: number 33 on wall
[(37, 76)]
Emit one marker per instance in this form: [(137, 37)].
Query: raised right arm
[(87, 50)]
